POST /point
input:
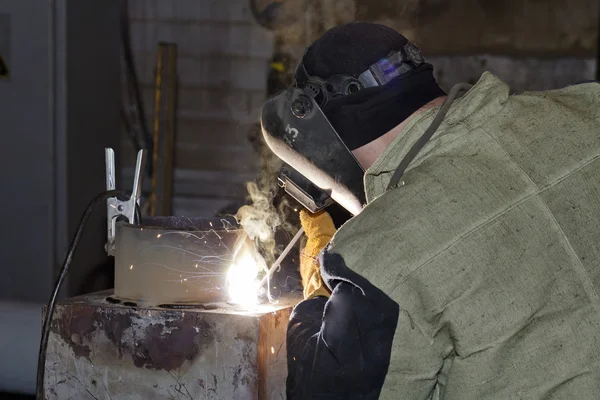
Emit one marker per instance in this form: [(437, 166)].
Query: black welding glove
[(340, 348)]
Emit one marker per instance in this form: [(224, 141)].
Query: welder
[(471, 267)]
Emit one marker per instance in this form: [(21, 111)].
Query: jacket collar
[(484, 99)]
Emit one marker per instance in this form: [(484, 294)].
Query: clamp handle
[(116, 208)]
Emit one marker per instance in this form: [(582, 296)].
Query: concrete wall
[(59, 108), (520, 73), (26, 164), (530, 44), (222, 71), (508, 27)]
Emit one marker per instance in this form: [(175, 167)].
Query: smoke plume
[(267, 212)]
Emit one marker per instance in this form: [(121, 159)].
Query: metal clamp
[(121, 208)]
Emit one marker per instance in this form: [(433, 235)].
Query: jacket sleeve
[(340, 348), (415, 365), (302, 337)]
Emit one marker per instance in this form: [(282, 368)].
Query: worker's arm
[(339, 348)]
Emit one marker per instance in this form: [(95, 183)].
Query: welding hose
[(99, 199)]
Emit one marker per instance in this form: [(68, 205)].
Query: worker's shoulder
[(548, 112), (583, 92), (491, 89)]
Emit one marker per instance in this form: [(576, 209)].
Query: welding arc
[(281, 257), (99, 199)]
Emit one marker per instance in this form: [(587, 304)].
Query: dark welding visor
[(297, 131)]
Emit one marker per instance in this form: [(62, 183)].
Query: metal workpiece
[(100, 348), (174, 260)]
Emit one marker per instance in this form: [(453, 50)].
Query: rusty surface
[(99, 349), (164, 344), (272, 360)]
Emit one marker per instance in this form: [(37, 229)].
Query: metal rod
[(109, 156), (158, 97), (282, 256), (165, 88), (168, 145)]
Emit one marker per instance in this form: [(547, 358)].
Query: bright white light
[(242, 278)]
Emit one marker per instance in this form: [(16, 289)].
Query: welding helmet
[(319, 165)]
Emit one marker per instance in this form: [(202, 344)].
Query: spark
[(203, 262), (272, 350), (131, 267), (174, 248), (206, 271), (215, 232)]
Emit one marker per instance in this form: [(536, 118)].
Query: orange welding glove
[(319, 230)]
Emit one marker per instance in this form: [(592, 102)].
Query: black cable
[(133, 82), (99, 199), (419, 144)]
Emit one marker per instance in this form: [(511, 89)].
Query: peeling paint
[(75, 328), (162, 341), (106, 350)]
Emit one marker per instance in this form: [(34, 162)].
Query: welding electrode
[(281, 257)]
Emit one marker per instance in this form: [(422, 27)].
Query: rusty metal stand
[(102, 348)]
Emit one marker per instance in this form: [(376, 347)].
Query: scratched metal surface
[(99, 350), (174, 259)]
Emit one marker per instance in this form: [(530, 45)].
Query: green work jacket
[(491, 247)]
